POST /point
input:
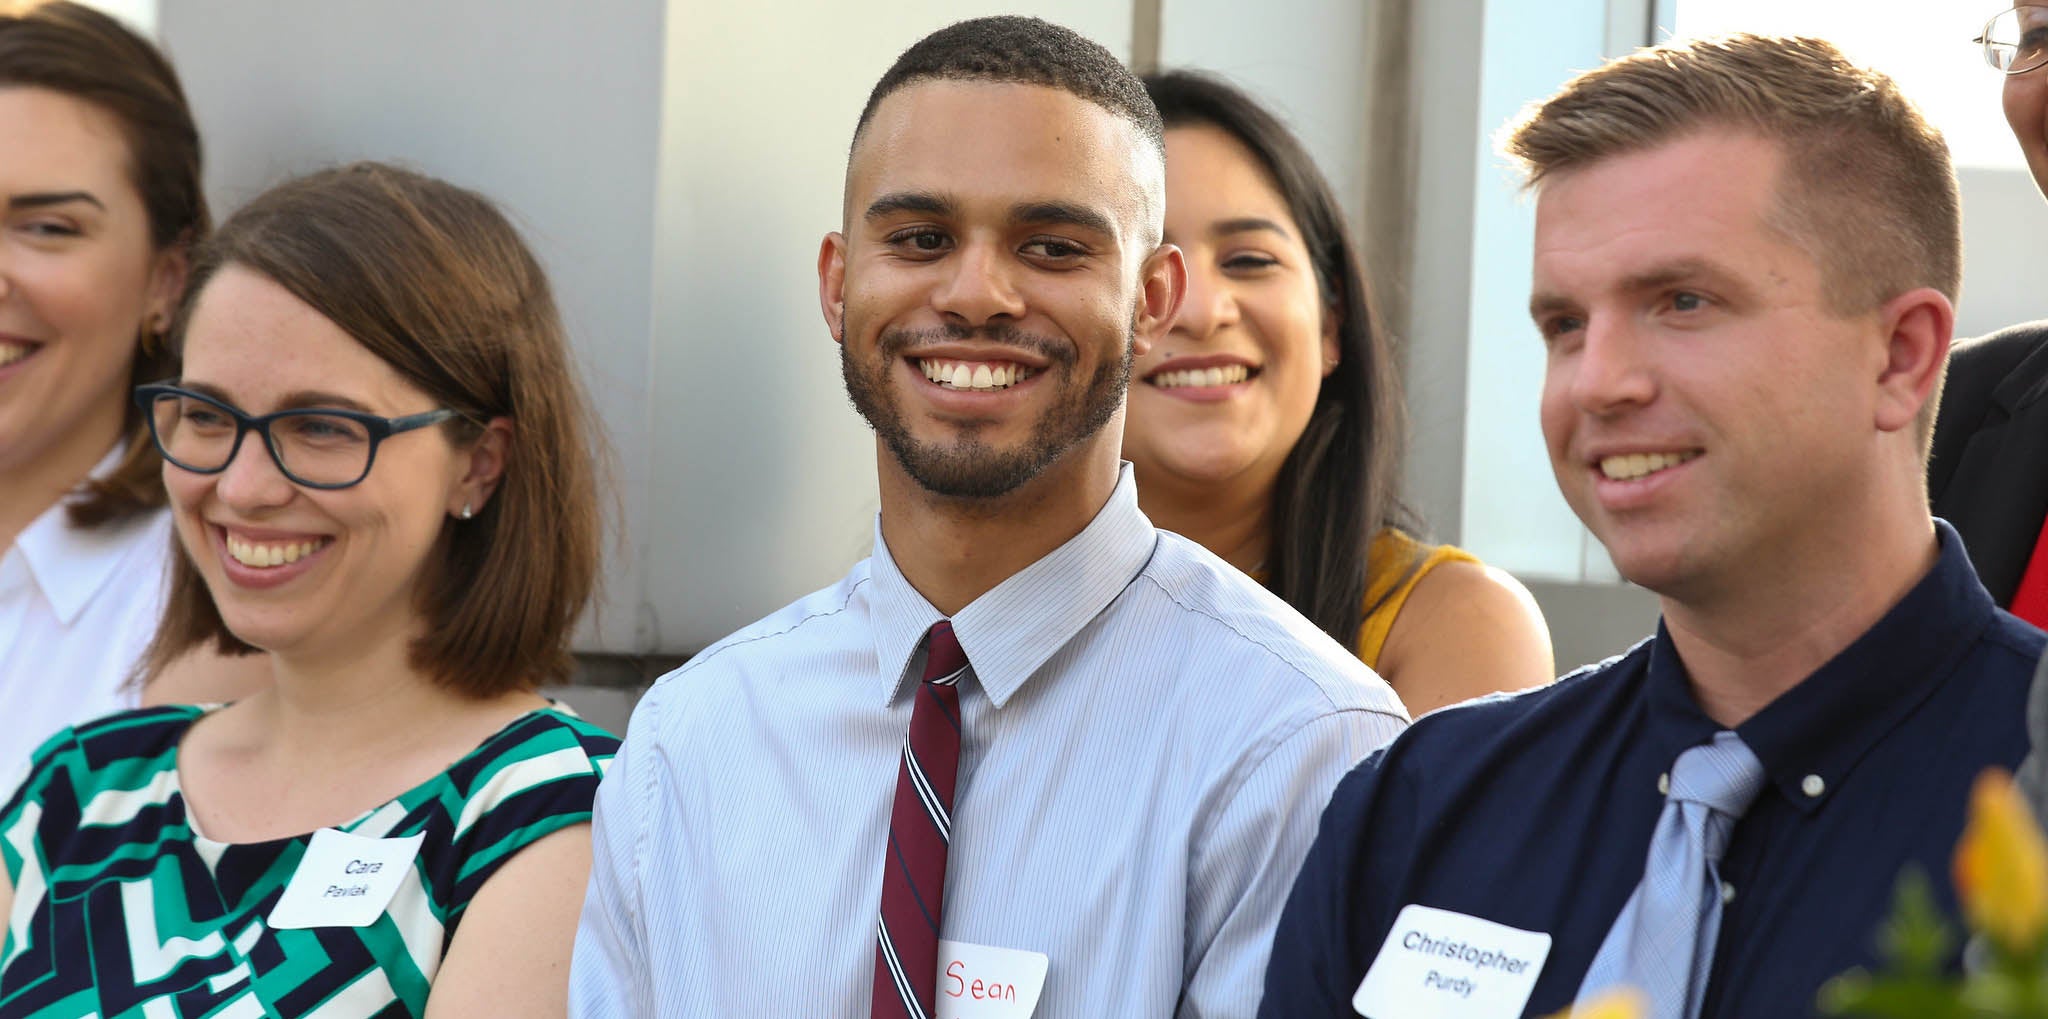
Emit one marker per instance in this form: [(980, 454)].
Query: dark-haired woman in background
[(99, 204), (379, 475), (1266, 426)]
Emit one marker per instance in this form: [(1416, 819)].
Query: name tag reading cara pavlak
[(1440, 963), (344, 880)]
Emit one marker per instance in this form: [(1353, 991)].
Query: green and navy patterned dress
[(122, 910)]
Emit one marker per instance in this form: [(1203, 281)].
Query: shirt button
[(1813, 786), (1664, 784), (1727, 893)]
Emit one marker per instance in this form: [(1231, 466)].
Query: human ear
[(168, 272), (832, 284), (485, 467), (1918, 326), (1162, 286)]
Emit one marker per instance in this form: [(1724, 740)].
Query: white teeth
[(972, 374), (249, 553), (1227, 375), (1630, 466), (12, 352)]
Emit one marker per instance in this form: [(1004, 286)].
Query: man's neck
[(1234, 521), (953, 551), (1745, 646)]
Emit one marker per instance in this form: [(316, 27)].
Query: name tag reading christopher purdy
[(984, 982), (344, 880), (1440, 963)]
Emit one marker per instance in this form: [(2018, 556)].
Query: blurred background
[(676, 162)]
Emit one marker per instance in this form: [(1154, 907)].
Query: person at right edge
[(1988, 474), (1746, 255)]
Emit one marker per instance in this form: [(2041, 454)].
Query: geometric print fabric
[(122, 910)]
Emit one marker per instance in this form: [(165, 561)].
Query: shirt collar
[(70, 564), (1813, 735), (1016, 627)]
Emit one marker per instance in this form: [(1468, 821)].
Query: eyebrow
[(1246, 224), (44, 199), (909, 201), (1657, 277), (298, 400), (1063, 214)]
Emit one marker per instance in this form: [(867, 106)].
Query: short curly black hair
[(1023, 51)]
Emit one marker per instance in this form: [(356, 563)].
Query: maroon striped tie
[(920, 825)]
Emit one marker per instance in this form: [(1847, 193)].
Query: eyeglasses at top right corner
[(2016, 39)]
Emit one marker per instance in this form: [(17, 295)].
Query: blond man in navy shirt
[(1746, 256)]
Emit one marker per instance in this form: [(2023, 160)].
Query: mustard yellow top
[(1394, 564)]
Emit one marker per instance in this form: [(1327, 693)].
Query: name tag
[(984, 982), (1440, 963), (344, 880)]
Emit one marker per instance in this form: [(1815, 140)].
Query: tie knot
[(1725, 775), (943, 660)]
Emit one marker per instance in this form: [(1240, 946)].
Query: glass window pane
[(1926, 46)]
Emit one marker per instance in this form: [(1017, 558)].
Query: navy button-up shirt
[(1535, 810)]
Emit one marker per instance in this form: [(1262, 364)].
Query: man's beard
[(969, 468)]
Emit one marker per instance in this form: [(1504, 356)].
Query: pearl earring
[(467, 511)]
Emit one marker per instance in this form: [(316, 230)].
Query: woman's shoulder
[(129, 752), (546, 761), (122, 738), (1463, 629)]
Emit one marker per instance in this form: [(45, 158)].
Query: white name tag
[(984, 982), (1440, 963), (344, 880)]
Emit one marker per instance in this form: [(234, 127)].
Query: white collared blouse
[(77, 607)]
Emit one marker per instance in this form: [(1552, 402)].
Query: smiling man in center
[(1031, 741)]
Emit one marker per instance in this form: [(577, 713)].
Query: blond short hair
[(1868, 187)]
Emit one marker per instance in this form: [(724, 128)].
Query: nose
[(979, 287), (252, 480), (1611, 372), (1209, 305)]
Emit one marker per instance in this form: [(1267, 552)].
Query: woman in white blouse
[(100, 194)]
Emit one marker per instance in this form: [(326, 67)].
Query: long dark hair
[(79, 52), (1336, 489)]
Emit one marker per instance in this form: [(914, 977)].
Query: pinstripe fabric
[(1663, 941), (920, 823), (1148, 739)]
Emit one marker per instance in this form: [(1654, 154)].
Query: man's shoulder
[(1237, 621), (1490, 730), (805, 625), (1978, 366)]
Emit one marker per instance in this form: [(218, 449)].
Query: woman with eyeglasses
[(1266, 425), (99, 205), (376, 455)]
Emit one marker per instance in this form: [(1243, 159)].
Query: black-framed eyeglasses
[(2015, 40), (315, 447)]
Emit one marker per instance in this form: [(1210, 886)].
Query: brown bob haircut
[(431, 278), (1868, 187), (79, 52)]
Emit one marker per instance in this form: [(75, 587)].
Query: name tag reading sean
[(983, 982), (344, 880), (1440, 963)]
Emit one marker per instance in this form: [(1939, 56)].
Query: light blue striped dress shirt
[(1149, 740)]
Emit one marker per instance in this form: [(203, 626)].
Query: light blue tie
[(1662, 944)]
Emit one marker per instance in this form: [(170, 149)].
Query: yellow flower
[(2001, 865), (1623, 1003)]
